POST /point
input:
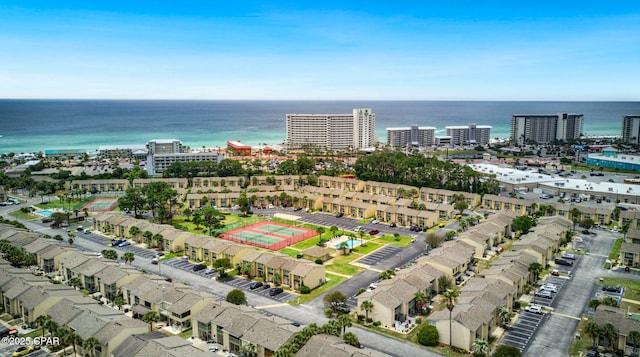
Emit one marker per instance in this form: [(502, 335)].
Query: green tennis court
[(256, 238), (284, 231), (102, 204)]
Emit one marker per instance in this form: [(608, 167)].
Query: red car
[(374, 232)]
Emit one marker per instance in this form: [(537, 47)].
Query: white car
[(213, 348), (534, 309), (549, 287), (357, 229)]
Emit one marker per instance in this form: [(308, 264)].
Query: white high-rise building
[(545, 128), (332, 131), (416, 136), (631, 129), (471, 134)]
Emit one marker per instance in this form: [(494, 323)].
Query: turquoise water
[(350, 244), (45, 212)]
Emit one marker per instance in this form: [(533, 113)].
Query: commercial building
[(631, 129), (611, 159), (164, 146), (545, 128), (238, 148), (122, 151), (415, 136), (471, 134), (332, 131)]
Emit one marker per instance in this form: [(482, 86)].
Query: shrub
[(319, 261), (418, 321), (237, 297), (328, 312), (360, 291), (360, 317), (304, 289), (428, 335), (299, 255), (377, 323), (517, 305), (369, 319)]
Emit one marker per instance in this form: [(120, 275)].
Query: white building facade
[(545, 128), (332, 131), (471, 134), (631, 129), (416, 136)]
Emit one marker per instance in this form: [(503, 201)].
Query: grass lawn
[(22, 215), (370, 247), (76, 204), (340, 265), (630, 307), (332, 280), (172, 255), (186, 333), (307, 243), (584, 343), (632, 287), (290, 252), (615, 250), (404, 241)]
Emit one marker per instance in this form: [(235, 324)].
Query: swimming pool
[(350, 243), (45, 212)]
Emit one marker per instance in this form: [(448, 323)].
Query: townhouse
[(234, 326), (630, 249), (623, 325), (328, 345), (95, 186), (470, 320), (157, 344), (454, 258)]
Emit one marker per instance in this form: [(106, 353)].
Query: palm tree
[(128, 257), (73, 339), (248, 350), (90, 345), (611, 333), (450, 297), (320, 230), (345, 321), (75, 282), (535, 268), (86, 213), (133, 232), (480, 347), (119, 301), (463, 225), (150, 317), (421, 300), (505, 314), (575, 216), (275, 278), (351, 338), (147, 235), (343, 245), (158, 238), (633, 338), (593, 330), (41, 321), (595, 303), (333, 230), (367, 307), (61, 333), (51, 326)]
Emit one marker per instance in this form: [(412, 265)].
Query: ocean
[(38, 125)]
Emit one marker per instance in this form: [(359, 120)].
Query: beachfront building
[(413, 136), (545, 128), (471, 134), (156, 164), (631, 129), (164, 146), (238, 148), (122, 151), (611, 159), (332, 131)]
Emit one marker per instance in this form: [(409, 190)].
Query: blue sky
[(396, 50)]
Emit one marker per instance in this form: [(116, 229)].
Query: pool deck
[(336, 241)]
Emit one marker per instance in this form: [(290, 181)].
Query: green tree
[(507, 351), (41, 321), (351, 338), (158, 239), (610, 332), (522, 224), (367, 307), (450, 296), (593, 329), (119, 301), (128, 257), (421, 300), (133, 232), (587, 223), (595, 303), (575, 216), (535, 268), (344, 321), (237, 297), (428, 335), (460, 206), (480, 347), (505, 314), (334, 299), (89, 346), (248, 350), (320, 231), (109, 254), (74, 340), (343, 245), (333, 230), (133, 201), (150, 317), (147, 235), (51, 326), (633, 339), (75, 282), (433, 240)]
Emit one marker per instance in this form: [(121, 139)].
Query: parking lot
[(243, 284), (380, 254), (7, 350), (523, 330), (558, 281)]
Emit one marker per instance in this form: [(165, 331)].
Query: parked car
[(569, 256), (275, 291), (87, 231), (550, 287), (340, 214), (23, 350), (158, 254), (209, 271), (199, 267), (124, 244), (154, 261), (213, 348), (564, 262), (357, 229), (593, 353), (116, 242), (393, 225), (255, 285), (555, 272), (266, 286), (535, 309), (374, 221), (343, 309), (374, 232), (612, 289), (544, 294)]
